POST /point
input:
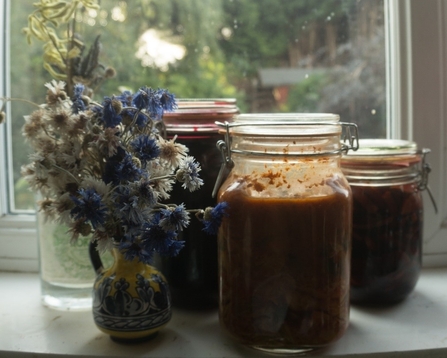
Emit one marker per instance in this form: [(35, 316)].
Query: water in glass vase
[(66, 273)]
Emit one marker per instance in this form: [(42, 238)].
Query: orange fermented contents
[(284, 265)]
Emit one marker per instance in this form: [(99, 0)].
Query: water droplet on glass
[(373, 111)]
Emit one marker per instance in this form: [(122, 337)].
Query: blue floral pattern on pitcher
[(121, 311)]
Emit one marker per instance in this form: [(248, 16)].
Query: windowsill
[(415, 328)]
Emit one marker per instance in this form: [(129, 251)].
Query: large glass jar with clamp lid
[(284, 247), (386, 178)]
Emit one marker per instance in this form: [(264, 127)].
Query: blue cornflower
[(155, 238), (132, 250), (145, 148), (121, 168), (212, 218), (141, 120), (78, 104), (128, 208), (127, 170), (125, 98), (175, 246), (97, 110), (78, 89), (167, 100), (146, 99), (188, 174), (109, 115), (89, 207), (174, 218), (155, 102), (145, 191)]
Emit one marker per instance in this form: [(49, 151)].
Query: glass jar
[(284, 248), (386, 178), (192, 275)]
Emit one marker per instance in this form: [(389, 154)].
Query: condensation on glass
[(284, 248)]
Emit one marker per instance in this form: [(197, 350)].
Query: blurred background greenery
[(271, 55)]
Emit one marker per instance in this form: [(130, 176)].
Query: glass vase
[(66, 274)]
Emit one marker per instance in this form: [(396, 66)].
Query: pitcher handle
[(95, 259)]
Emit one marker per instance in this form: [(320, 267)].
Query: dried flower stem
[(66, 172), (10, 99)]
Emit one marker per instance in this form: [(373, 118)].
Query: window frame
[(426, 106), (18, 233), (417, 51), (3, 181), (411, 80)]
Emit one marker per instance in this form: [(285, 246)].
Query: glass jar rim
[(285, 124), (200, 114), (383, 152), (205, 102), (204, 106), (372, 147), (288, 117)]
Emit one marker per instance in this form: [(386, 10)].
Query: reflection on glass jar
[(386, 177), (284, 248), (192, 275)]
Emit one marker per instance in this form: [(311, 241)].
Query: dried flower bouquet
[(106, 170)]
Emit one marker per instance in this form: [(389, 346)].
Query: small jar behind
[(284, 248), (192, 275), (386, 178)]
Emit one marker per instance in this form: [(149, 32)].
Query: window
[(425, 103), (368, 60)]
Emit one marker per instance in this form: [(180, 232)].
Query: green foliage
[(226, 42), (65, 55), (306, 96), (263, 30)]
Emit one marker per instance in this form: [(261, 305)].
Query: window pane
[(273, 56)]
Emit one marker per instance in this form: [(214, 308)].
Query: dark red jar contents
[(192, 275), (284, 266), (386, 242)]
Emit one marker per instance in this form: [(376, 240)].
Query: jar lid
[(285, 124), (383, 152), (380, 147), (377, 161), (200, 114), (206, 103)]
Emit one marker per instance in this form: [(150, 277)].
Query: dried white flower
[(172, 152)]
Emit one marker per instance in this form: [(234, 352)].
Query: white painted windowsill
[(416, 327)]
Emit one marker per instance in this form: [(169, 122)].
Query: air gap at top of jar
[(192, 275), (284, 248), (386, 178)]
